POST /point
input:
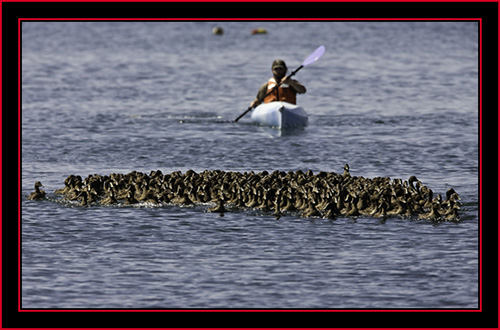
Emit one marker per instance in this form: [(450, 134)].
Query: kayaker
[(286, 92)]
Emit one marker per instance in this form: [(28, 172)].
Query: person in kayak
[(286, 92)]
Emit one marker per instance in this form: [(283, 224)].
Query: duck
[(325, 193), (219, 207), (363, 201), (110, 199), (300, 199), (433, 214), (287, 203), (452, 198), (264, 202), (182, 199), (38, 194), (346, 171), (241, 198), (75, 187), (165, 196), (152, 198), (277, 211), (141, 191), (92, 195), (411, 180), (235, 194), (352, 210), (311, 210), (83, 196), (130, 198), (428, 202), (381, 210), (452, 213), (331, 211), (401, 208), (67, 185), (252, 199)]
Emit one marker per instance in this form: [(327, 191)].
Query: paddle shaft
[(268, 93)]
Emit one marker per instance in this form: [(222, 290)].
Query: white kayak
[(280, 115)]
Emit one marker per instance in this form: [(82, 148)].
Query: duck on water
[(325, 194), (38, 194)]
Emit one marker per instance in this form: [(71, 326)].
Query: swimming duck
[(277, 211), (67, 185), (401, 208), (130, 198), (452, 213), (287, 203), (381, 210), (92, 195), (235, 194), (452, 198), (75, 185), (325, 193), (182, 199), (331, 211), (311, 210), (83, 196), (38, 194), (433, 214), (219, 207), (411, 180), (428, 202), (351, 210), (152, 198), (363, 201), (141, 193), (110, 199), (300, 199), (346, 171), (264, 202)]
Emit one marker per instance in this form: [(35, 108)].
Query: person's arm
[(260, 94), (299, 88)]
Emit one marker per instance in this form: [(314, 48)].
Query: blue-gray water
[(389, 98)]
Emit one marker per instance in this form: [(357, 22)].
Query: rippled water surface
[(389, 98)]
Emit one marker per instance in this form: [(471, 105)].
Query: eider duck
[(277, 211), (452, 213), (433, 214), (331, 210), (84, 197), (325, 194), (130, 198), (110, 199), (311, 210), (38, 194), (219, 207), (346, 171)]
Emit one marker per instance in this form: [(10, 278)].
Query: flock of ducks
[(325, 194)]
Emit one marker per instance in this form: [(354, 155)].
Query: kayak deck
[(280, 115)]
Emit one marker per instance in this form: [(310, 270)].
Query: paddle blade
[(316, 55)]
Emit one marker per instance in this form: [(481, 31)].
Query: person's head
[(279, 68)]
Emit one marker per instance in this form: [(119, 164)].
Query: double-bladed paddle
[(316, 55)]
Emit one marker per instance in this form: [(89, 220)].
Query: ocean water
[(389, 98)]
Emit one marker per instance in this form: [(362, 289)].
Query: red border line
[(19, 158), (20, 20), (251, 19), (361, 1)]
